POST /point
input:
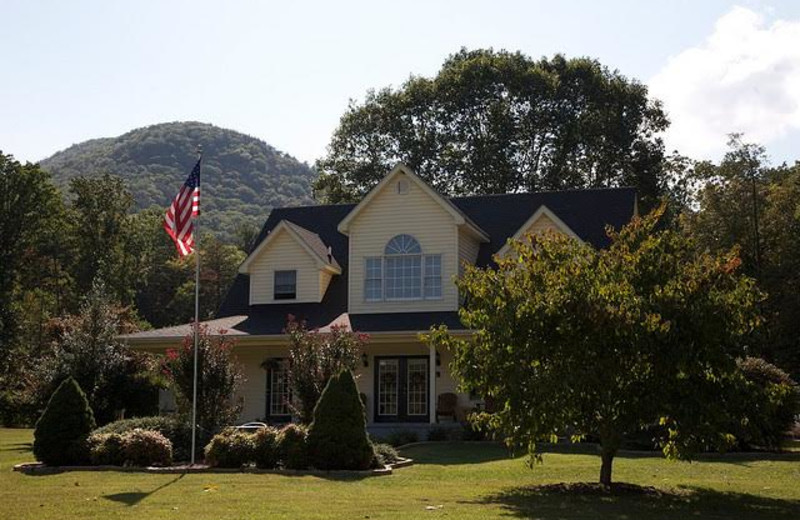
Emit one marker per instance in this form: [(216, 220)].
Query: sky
[(285, 71)]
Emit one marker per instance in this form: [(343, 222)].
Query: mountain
[(243, 178)]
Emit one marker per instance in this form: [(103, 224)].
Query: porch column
[(432, 377)]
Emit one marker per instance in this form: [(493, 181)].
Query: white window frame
[(424, 276), (275, 285)]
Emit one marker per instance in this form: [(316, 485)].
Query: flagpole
[(196, 320)]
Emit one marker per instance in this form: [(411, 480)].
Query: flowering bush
[(231, 449), (316, 356), (146, 448), (106, 449), (293, 446), (267, 454), (218, 379)]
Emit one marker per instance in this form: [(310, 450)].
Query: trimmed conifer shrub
[(61, 432), (337, 438)]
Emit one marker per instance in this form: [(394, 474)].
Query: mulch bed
[(38, 468)]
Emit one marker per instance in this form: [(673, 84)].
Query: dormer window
[(403, 272), (285, 285)]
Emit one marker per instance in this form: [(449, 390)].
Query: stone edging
[(38, 468)]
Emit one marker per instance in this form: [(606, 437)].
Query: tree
[(574, 341), (500, 122), (29, 205), (745, 202), (116, 380), (101, 217), (315, 357), (219, 377), (64, 426), (337, 439)]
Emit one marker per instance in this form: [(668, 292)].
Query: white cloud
[(745, 77)]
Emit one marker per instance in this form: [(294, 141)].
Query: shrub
[(106, 449), (267, 453), (146, 448), (769, 405), (401, 437), (177, 430), (293, 446), (219, 376), (314, 357), (62, 430), (231, 449), (385, 454), (438, 433), (337, 439)]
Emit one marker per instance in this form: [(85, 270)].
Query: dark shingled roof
[(586, 212)]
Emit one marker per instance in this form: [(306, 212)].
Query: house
[(384, 266)]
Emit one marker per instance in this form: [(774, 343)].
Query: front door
[(401, 389)]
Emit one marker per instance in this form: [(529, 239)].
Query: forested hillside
[(243, 177)]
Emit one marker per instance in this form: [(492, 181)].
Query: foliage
[(231, 449), (501, 122), (267, 454), (30, 211), (62, 430), (86, 348), (218, 379), (178, 430), (385, 453), (401, 437), (106, 449), (574, 341), (146, 448), (314, 357), (293, 446), (769, 404), (243, 177), (337, 439), (743, 201), (438, 434)]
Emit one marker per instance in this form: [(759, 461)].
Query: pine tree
[(61, 431)]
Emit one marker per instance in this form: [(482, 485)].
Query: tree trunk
[(607, 457)]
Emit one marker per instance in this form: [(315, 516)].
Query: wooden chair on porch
[(446, 405)]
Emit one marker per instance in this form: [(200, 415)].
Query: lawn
[(457, 480)]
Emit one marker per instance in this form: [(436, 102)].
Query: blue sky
[(284, 71)]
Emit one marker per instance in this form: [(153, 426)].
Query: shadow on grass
[(584, 501), (134, 497), (456, 453), (20, 447)]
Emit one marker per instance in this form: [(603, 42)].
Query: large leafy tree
[(574, 341), (743, 201), (499, 122)]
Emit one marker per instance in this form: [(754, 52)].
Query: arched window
[(403, 273), (402, 245)]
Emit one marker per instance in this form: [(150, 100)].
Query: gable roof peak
[(308, 240)]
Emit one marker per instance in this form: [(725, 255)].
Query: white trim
[(283, 225), (542, 211), (401, 169)]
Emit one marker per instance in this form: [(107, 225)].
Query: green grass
[(467, 480)]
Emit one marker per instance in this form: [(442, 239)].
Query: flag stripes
[(179, 220)]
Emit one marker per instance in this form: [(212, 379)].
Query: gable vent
[(402, 186)]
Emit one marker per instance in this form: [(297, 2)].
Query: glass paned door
[(402, 389), (417, 387), (388, 386)]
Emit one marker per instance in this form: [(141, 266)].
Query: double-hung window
[(403, 272), (285, 285)]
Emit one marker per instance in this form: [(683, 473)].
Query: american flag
[(179, 220)]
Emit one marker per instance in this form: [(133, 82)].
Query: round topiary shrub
[(146, 448), (106, 449), (337, 439), (293, 446), (267, 454), (231, 449), (61, 432)]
